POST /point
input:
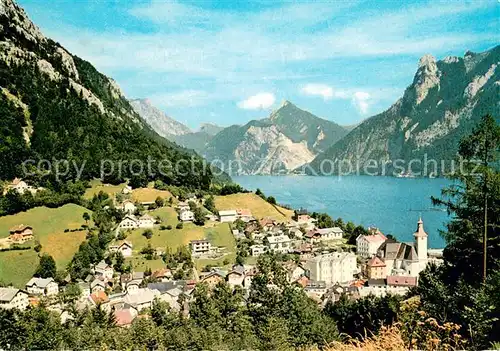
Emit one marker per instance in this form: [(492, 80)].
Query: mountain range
[(55, 105), (443, 103)]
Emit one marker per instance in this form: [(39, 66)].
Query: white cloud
[(323, 90), (361, 100), (258, 101)]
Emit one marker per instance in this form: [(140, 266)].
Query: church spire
[(420, 232)]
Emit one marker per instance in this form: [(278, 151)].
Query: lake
[(391, 204)]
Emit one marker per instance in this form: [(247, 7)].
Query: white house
[(186, 216), (368, 245), (128, 207), (13, 298), (125, 247), (133, 286), (279, 243), (200, 247), (146, 221), (337, 267), (228, 216), (42, 286), (257, 250), (129, 222), (104, 270)]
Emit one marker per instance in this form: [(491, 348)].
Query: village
[(318, 260)]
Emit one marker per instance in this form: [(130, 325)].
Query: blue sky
[(231, 61)]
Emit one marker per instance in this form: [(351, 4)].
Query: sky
[(227, 62)]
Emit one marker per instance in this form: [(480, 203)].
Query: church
[(405, 259)]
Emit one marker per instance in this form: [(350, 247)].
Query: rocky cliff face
[(290, 137), (443, 103), (158, 120)]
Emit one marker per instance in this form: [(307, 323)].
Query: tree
[(47, 267), (482, 147), (210, 204), (148, 233), (271, 200), (159, 201), (86, 218), (240, 260), (37, 247), (119, 262), (199, 216), (473, 235)]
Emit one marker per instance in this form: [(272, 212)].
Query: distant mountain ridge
[(443, 103), (288, 138)]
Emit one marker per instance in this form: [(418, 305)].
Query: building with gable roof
[(376, 268), (42, 286), (13, 298), (406, 259), (368, 245)]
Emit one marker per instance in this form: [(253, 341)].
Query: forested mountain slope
[(54, 105)]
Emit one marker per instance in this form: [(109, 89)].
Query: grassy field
[(259, 207), (150, 194), (97, 186), (48, 227), (219, 234)]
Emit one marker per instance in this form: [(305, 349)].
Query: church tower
[(421, 241)]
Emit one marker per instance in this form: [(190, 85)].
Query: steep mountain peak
[(426, 78), (285, 103), (163, 124)]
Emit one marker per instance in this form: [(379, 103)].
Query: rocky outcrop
[(444, 102)]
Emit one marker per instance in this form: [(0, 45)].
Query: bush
[(148, 233), (179, 226), (163, 227), (169, 227)]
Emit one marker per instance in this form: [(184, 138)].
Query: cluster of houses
[(380, 266)]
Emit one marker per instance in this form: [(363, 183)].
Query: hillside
[(55, 105), (259, 207), (289, 138), (443, 103), (48, 224)]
